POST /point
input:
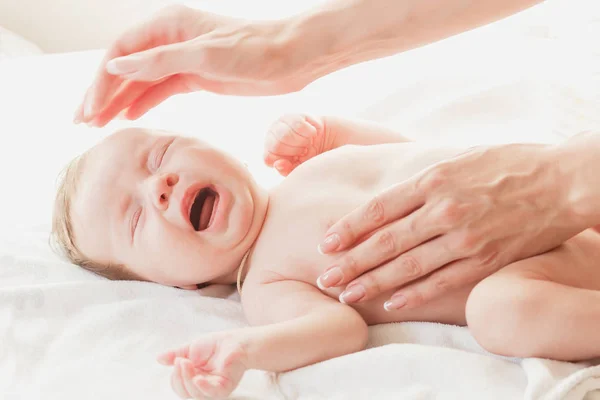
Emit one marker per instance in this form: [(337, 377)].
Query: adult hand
[(456, 223), (182, 50)]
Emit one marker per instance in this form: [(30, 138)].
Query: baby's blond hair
[(62, 226)]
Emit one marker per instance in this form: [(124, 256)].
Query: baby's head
[(144, 205)]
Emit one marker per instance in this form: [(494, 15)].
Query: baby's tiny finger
[(169, 357), (213, 386), (315, 122), (270, 158), (188, 373), (273, 145), (177, 382), (283, 166), (204, 385), (166, 358)]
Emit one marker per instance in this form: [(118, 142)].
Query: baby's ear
[(188, 287)]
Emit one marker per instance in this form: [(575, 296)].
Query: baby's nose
[(162, 189)]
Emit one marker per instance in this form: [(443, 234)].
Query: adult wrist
[(578, 162), (318, 44)]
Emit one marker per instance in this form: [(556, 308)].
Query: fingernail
[(330, 278), (77, 119), (331, 243), (88, 109), (353, 294), (124, 65), (396, 302)]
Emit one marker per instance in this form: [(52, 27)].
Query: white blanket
[(65, 334)]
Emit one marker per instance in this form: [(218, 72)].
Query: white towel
[(96, 339)]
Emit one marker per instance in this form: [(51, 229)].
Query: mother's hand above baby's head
[(181, 50), (454, 224)]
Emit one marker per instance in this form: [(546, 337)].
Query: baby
[(178, 212)]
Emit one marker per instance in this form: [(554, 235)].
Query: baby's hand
[(210, 367), (292, 140)]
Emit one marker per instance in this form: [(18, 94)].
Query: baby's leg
[(546, 306)]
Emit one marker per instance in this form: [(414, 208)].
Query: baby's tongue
[(207, 210)]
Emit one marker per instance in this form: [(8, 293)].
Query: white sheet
[(67, 334)]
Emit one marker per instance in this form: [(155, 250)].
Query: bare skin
[(296, 324)]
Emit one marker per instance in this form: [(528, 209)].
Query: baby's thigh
[(516, 289), (575, 263)]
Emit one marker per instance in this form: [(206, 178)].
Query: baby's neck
[(243, 264), (237, 275)]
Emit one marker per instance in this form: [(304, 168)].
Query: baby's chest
[(296, 223)]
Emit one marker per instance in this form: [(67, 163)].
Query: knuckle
[(410, 267), (159, 58), (451, 212), (371, 284), (174, 10), (350, 266), (416, 299), (442, 285), (434, 178), (375, 211), (347, 231), (386, 242), (467, 243), (412, 227), (487, 261)]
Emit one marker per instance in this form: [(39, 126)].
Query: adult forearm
[(578, 161), (344, 32)]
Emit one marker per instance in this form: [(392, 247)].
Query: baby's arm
[(345, 131), (299, 326), (294, 139)]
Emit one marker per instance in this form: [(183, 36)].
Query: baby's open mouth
[(203, 209)]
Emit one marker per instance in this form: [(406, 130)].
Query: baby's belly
[(449, 309), (311, 199)]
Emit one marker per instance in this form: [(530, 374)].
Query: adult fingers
[(396, 202), (155, 95), (443, 281), (138, 38), (386, 244), (156, 63), (127, 95), (409, 266)]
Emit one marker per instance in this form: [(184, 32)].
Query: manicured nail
[(396, 302), (121, 66), (88, 109), (353, 294), (331, 243), (330, 278)]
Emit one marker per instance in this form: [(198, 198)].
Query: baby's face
[(173, 210)]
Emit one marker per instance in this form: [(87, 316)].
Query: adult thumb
[(152, 65)]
